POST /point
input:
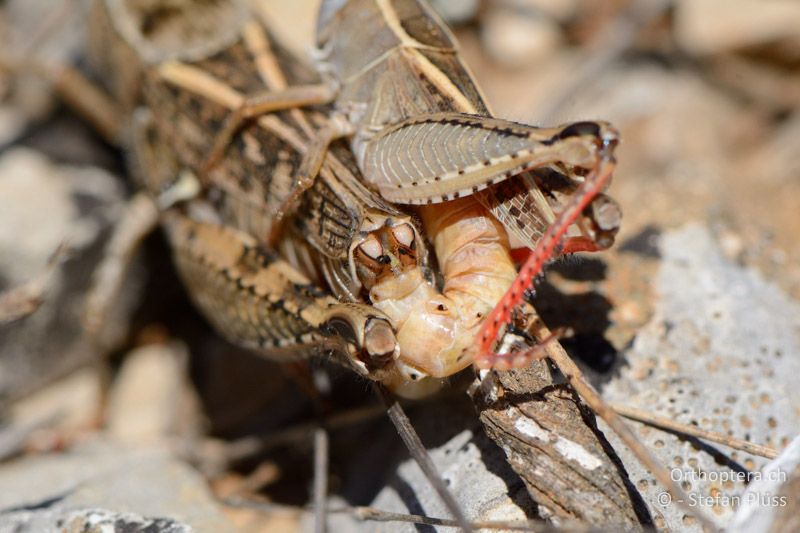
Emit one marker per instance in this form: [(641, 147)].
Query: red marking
[(501, 314), (579, 244), (520, 255), (571, 245)]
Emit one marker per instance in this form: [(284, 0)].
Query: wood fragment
[(543, 430), (576, 378), (368, 514), (22, 301)]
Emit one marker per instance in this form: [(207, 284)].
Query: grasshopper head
[(369, 340), (385, 252)]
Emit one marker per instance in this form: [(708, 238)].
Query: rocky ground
[(693, 316)]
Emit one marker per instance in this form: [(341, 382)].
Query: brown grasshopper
[(422, 134), (258, 277), (177, 75), (285, 287), (190, 90)]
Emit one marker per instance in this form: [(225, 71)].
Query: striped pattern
[(447, 156), (251, 297), (259, 301)]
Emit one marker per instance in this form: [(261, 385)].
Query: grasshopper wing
[(528, 204)]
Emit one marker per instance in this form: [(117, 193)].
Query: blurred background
[(693, 315)]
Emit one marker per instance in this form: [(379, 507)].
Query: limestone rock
[(771, 502), (44, 206), (100, 481), (721, 352)]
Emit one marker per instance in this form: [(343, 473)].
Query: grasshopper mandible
[(422, 134)]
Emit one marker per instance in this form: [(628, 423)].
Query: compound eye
[(372, 248), (370, 259), (404, 235)]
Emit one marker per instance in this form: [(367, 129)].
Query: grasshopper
[(174, 72), (286, 286), (345, 273), (423, 135), (397, 325)]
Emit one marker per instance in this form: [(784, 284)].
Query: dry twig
[(377, 515), (694, 431), (420, 454)]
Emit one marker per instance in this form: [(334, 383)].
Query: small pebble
[(456, 11), (516, 40), (715, 26)]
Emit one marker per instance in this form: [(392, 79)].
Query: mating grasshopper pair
[(293, 244), (422, 135), (419, 131)]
